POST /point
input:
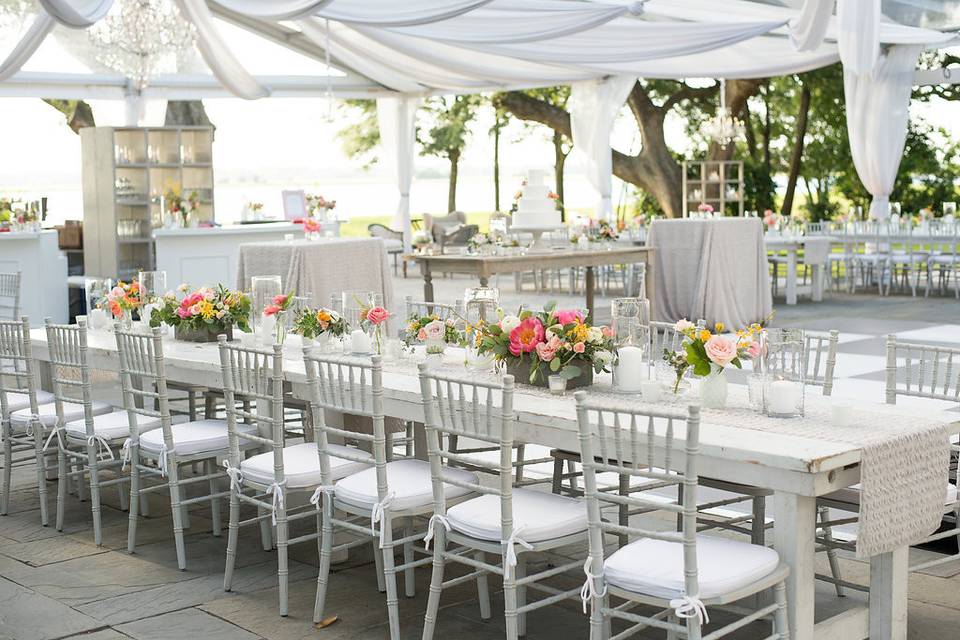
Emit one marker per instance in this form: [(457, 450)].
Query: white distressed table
[(796, 469), (791, 245)]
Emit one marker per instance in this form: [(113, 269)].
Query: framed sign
[(294, 204)]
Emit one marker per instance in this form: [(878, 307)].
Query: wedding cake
[(536, 209)]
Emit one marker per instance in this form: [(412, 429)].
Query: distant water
[(354, 199)]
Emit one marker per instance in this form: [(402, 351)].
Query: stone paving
[(59, 585)]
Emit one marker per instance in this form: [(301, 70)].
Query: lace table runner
[(904, 456)]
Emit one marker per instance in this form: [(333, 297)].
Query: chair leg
[(521, 594), (378, 562), (326, 545), (62, 471), (177, 513), (510, 602), (283, 570), (574, 485), (623, 510), (133, 514), (266, 531), (209, 468), (95, 494), (41, 473), (780, 625), (410, 587), (824, 514), (519, 474), (483, 588), (390, 576), (7, 468), (81, 484), (436, 585), (758, 526)]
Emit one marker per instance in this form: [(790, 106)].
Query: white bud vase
[(713, 389)]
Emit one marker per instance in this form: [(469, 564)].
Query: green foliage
[(361, 137), (447, 131)]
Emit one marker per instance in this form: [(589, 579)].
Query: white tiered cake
[(535, 209)]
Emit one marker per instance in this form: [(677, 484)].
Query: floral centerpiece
[(480, 242), (204, 313), (433, 332), (311, 228), (534, 345), (180, 207), (771, 219), (421, 240), (278, 306), (373, 320), (318, 206), (604, 232), (708, 354), (320, 324), (122, 301)]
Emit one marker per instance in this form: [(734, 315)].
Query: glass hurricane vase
[(713, 388)]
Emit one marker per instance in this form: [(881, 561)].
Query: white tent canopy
[(398, 51)]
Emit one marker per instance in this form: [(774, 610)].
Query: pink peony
[(271, 310), (280, 300), (184, 312), (377, 315), (547, 350), (720, 350), (526, 336), (579, 347), (568, 316)]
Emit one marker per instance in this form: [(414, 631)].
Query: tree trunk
[(77, 112), (186, 113), (496, 168), (454, 157), (559, 159), (749, 136), (797, 157), (766, 129)]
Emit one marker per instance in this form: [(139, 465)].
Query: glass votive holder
[(784, 364), (263, 289), (651, 391), (755, 391), (558, 384)]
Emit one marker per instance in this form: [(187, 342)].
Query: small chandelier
[(723, 128), (142, 38)]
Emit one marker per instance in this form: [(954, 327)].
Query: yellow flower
[(580, 332), (207, 310), (704, 335), (718, 327), (323, 316)]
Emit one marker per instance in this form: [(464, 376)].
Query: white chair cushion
[(189, 438), (48, 414), (301, 465), (542, 516), (111, 426), (851, 495), (655, 567), (408, 480), (18, 401)]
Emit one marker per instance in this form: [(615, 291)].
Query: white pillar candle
[(784, 397), (268, 325), (360, 342), (650, 390), (629, 369)]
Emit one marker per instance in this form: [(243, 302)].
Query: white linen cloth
[(878, 110), (77, 13), (319, 268), (594, 105), (710, 269), (816, 250), (397, 119)]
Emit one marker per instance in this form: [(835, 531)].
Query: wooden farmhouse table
[(797, 469), (484, 267)]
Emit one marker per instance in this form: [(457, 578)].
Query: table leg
[(792, 276), (794, 541), (817, 275), (588, 287), (649, 284), (888, 595), (484, 281), (427, 282)]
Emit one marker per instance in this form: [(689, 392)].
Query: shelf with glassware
[(715, 184), (135, 180)]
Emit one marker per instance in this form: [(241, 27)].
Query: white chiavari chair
[(821, 359), (18, 392), (909, 261), (927, 372), (265, 480), (10, 296), (372, 502), (663, 335), (505, 522), (946, 261), (679, 572), (156, 448), (442, 311)]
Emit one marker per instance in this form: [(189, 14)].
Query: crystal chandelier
[(723, 128), (140, 38)]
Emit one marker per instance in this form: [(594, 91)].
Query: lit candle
[(360, 342), (629, 369), (784, 397)]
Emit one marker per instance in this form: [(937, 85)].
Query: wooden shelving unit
[(718, 183), (126, 171)]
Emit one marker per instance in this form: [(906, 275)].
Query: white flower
[(683, 325), (595, 335), (603, 357), (509, 323)]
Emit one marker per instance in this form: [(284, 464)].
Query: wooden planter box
[(521, 374), (202, 335)]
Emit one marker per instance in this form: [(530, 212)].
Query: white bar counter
[(43, 268), (208, 256)]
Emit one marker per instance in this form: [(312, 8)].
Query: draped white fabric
[(594, 105), (859, 34), (217, 54), (386, 13), (808, 30), (396, 118), (78, 14), (39, 29), (878, 107), (274, 9)]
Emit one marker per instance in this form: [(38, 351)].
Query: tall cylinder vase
[(713, 389)]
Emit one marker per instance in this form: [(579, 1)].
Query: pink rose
[(720, 350), (184, 312), (421, 335), (753, 350), (607, 332), (579, 347), (434, 330), (280, 300), (547, 350), (377, 315), (568, 316), (526, 336), (271, 310)]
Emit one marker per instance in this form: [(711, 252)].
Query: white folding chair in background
[(157, 448), (10, 296), (681, 573), (19, 393), (504, 521)]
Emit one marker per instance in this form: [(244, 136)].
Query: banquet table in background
[(816, 253), (319, 267), (710, 269)]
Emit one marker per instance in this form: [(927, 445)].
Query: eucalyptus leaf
[(555, 364), (570, 372)]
